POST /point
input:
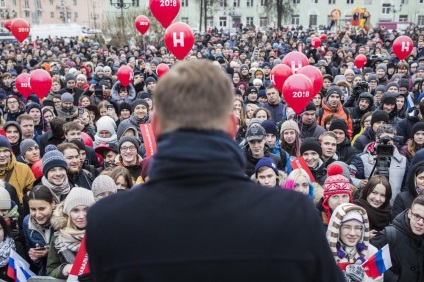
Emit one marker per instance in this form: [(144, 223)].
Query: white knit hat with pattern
[(78, 197)]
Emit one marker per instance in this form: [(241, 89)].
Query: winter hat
[(268, 162), (67, 98), (270, 127), (339, 77), (338, 123), (310, 107), (335, 183), (26, 144), (106, 123), (251, 89), (380, 88), (154, 62), (344, 166), (255, 132), (381, 66), (98, 68), (403, 82), (146, 95), (78, 197), (53, 159), (48, 103), (33, 63), (266, 64), (131, 139), (417, 127), (389, 98), (391, 84), (49, 148), (139, 102), (34, 98), (244, 66), (334, 89), (262, 93), (257, 81), (372, 77), (103, 183), (252, 121), (33, 106), (289, 125), (150, 79), (379, 115), (367, 70), (4, 143), (124, 106), (5, 200), (10, 97), (349, 71), (69, 76), (81, 75), (310, 144)]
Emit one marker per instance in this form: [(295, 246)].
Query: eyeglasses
[(131, 148), (416, 217), (348, 228)]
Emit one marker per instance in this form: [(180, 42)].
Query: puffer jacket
[(346, 152), (406, 250), (363, 164)]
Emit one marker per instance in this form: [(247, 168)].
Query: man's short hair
[(418, 201), (24, 117), (385, 128), (70, 126), (194, 94), (327, 133), (67, 145)]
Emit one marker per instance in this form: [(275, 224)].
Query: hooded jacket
[(117, 98), (312, 130), (342, 113), (368, 136), (404, 127), (251, 161), (346, 152)]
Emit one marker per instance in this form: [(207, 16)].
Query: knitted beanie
[(131, 139), (11, 97), (33, 106), (289, 125), (381, 66), (419, 126), (257, 81), (334, 89), (67, 98), (338, 123), (4, 143), (262, 93), (391, 84), (103, 183), (5, 200), (106, 123), (379, 115), (146, 95), (98, 68), (49, 148), (26, 144), (268, 162), (389, 98), (310, 107), (78, 197), (139, 102), (34, 98), (349, 71), (335, 184), (69, 76), (404, 82), (149, 79), (372, 77), (125, 106), (311, 144), (53, 159), (270, 127)]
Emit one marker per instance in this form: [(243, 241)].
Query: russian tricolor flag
[(379, 263), (18, 268)]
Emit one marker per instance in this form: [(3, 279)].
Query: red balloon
[(37, 169), (165, 11), (402, 47), (295, 60), (22, 84), (20, 29), (315, 76), (298, 91), (316, 42), (278, 76), (87, 139), (8, 24), (323, 37), (40, 82), (125, 75), (142, 24), (179, 39), (162, 69), (360, 61)]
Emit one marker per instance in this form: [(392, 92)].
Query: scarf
[(57, 191), (5, 246), (378, 217), (98, 139), (68, 242), (136, 120), (41, 227)]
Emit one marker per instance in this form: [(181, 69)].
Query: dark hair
[(418, 201), (42, 193), (374, 181), (5, 227), (419, 170), (56, 125)]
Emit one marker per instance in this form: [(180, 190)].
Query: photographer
[(376, 160)]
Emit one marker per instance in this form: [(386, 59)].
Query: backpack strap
[(391, 235)]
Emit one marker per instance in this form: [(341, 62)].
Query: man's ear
[(231, 126), (155, 124)]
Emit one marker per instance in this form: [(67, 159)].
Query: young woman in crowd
[(299, 181), (6, 245), (290, 139), (417, 142), (262, 114), (122, 178)]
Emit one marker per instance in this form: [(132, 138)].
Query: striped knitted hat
[(346, 212), (53, 159)]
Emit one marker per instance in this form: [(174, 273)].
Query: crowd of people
[(361, 139)]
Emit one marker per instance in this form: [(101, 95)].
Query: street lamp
[(395, 11), (120, 4)]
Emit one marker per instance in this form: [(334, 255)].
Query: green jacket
[(55, 261)]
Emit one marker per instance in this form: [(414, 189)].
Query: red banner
[(300, 163), (80, 265), (148, 138)]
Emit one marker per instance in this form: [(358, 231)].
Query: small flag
[(80, 265), (18, 268), (379, 263), (148, 138), (300, 163)]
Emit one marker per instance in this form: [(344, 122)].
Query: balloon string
[(144, 44)]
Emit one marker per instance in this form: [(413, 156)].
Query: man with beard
[(364, 104), (345, 151), (309, 126), (68, 108), (273, 104), (76, 174)]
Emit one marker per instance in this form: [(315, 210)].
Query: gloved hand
[(360, 88), (355, 272)]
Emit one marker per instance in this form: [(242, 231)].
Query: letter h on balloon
[(176, 40)]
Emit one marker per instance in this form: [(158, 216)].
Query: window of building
[(39, 13), (2, 4), (421, 1), (403, 18), (184, 20), (223, 3), (331, 1), (222, 21), (264, 3), (51, 14), (184, 3), (75, 2), (236, 3), (313, 20), (404, 2), (249, 21), (14, 2), (26, 4), (296, 1), (263, 22), (38, 4), (314, 1), (386, 9), (295, 20), (249, 3), (210, 22), (76, 15), (350, 1), (209, 3), (420, 20), (27, 15)]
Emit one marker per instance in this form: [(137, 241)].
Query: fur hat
[(103, 183), (78, 197)]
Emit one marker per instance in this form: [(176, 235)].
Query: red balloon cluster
[(125, 75), (40, 82), (179, 39), (20, 29), (403, 46), (142, 24), (165, 11), (297, 80), (316, 42)]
